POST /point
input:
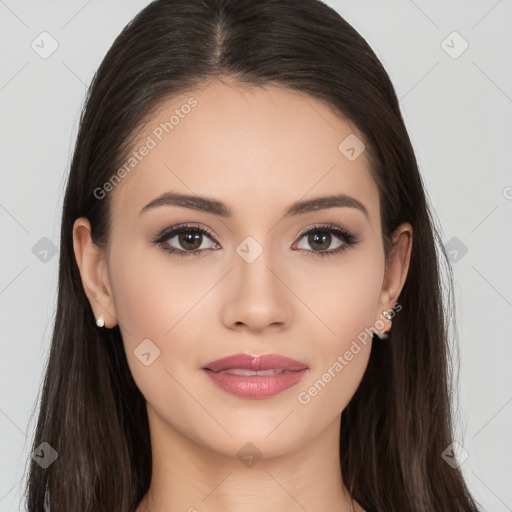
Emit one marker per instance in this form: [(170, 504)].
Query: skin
[(258, 150)]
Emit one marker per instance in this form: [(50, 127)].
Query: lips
[(250, 376), (255, 363)]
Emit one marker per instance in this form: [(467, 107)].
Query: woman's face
[(261, 284)]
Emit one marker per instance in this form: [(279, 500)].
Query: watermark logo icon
[(249, 249), (146, 352), (351, 147), (44, 455), (249, 455), (44, 250), (456, 249), (454, 454), (44, 45), (454, 45)]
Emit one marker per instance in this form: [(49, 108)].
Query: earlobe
[(92, 264)]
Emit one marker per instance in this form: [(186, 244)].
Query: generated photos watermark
[(151, 142), (304, 397)]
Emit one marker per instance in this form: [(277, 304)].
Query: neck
[(192, 477)]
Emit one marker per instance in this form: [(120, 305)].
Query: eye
[(189, 240), (320, 237)]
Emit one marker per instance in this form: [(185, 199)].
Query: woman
[(250, 311)]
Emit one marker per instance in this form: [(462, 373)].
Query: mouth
[(255, 377)]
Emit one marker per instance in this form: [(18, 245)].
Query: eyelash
[(348, 239)]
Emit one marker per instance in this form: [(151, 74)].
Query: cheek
[(139, 295), (154, 292), (152, 296), (347, 310), (347, 302), (162, 299)]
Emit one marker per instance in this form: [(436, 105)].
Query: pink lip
[(255, 386), (255, 363)]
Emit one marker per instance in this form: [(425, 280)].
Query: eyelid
[(166, 233), (339, 230)]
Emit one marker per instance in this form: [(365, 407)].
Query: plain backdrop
[(450, 62)]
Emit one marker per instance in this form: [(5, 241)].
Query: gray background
[(458, 110)]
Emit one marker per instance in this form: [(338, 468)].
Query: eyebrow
[(209, 205)]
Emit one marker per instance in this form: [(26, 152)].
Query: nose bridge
[(258, 297), (253, 265)]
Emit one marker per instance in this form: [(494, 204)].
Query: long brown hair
[(399, 422)]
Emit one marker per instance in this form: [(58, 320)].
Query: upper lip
[(255, 363)]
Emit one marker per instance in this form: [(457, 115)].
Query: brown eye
[(320, 238), (190, 240), (186, 240)]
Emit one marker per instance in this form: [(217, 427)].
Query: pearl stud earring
[(385, 335)]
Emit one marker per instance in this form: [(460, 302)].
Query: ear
[(396, 269), (92, 263)]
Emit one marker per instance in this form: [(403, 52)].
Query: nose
[(257, 296)]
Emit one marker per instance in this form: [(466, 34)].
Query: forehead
[(253, 148)]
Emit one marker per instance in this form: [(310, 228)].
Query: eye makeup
[(198, 233)]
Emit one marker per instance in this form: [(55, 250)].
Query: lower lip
[(256, 386)]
